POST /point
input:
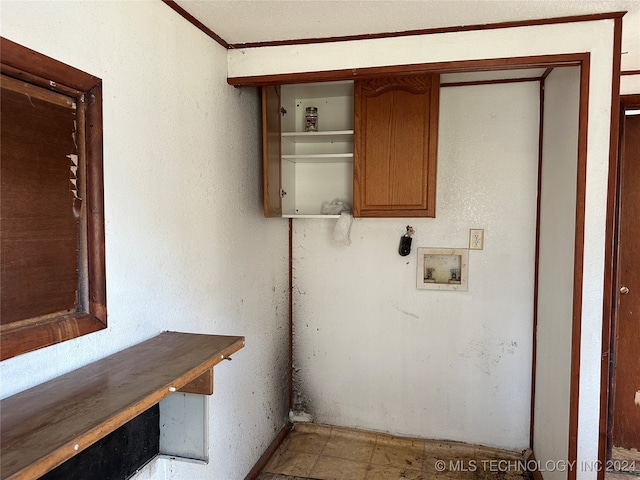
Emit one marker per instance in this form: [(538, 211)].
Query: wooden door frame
[(611, 274)]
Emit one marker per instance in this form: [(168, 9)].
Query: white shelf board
[(303, 215), (319, 137), (319, 157)]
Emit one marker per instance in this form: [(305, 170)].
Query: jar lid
[(312, 109)]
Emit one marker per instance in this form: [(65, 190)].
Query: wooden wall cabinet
[(395, 152), (305, 170), (375, 147)]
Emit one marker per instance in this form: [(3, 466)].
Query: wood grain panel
[(203, 385), (42, 427), (395, 146), (34, 333), (626, 413), (271, 149), (40, 217)]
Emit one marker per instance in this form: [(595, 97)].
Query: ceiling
[(248, 21)]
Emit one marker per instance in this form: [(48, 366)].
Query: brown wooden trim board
[(196, 23), (536, 268), (367, 36), (266, 456), (431, 31), (490, 82)]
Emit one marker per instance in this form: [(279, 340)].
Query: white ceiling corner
[(247, 21)]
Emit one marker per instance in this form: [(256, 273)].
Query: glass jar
[(311, 119)]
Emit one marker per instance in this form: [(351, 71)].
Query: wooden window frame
[(26, 65)]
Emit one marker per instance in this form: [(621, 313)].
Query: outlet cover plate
[(476, 239)]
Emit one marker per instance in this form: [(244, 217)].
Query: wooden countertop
[(44, 426)]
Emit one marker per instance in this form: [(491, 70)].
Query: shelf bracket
[(203, 385)]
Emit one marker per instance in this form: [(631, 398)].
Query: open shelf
[(319, 137), (316, 167), (302, 215), (319, 157), (42, 427)]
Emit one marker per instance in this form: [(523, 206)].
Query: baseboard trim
[(531, 460), (266, 456)]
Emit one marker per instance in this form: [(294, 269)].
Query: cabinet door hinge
[(283, 112), (282, 193)]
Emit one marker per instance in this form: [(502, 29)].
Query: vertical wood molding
[(271, 151), (537, 268), (610, 257), (576, 330), (95, 207)]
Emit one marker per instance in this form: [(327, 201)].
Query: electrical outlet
[(476, 239)]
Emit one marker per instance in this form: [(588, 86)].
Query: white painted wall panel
[(187, 247), (630, 84), (432, 48), (184, 426), (556, 260), (372, 351)]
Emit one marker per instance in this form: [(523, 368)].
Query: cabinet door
[(271, 151), (395, 146)]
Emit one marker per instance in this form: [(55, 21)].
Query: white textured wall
[(577, 37), (187, 248), (630, 84), (556, 265), (372, 351)]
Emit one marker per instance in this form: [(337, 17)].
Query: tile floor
[(323, 452), (626, 464)]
